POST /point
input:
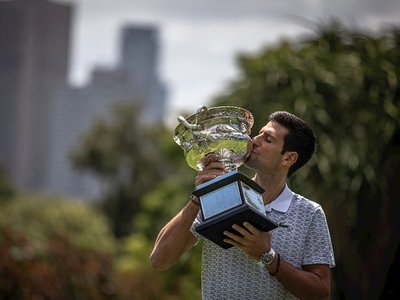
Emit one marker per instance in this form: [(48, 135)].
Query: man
[(286, 263)]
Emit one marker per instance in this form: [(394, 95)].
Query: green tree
[(156, 183), (6, 190), (345, 83), (126, 156), (55, 249), (39, 219)]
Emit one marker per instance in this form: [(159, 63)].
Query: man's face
[(267, 147)]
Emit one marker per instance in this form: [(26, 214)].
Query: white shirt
[(282, 202), (230, 274)]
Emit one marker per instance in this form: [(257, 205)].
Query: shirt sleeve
[(196, 223), (318, 247)]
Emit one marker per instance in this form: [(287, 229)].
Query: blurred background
[(89, 95)]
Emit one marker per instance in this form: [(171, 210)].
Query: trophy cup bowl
[(218, 132), (222, 134)]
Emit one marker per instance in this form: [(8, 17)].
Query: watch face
[(267, 257)]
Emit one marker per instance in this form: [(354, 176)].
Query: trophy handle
[(202, 110), (187, 125)]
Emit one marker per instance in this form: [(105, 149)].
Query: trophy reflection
[(222, 134)]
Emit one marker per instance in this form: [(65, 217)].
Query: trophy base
[(232, 198), (213, 228)]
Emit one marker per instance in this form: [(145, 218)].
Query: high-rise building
[(135, 79), (34, 47), (41, 117), (139, 60)]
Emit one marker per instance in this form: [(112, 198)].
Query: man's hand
[(211, 171), (250, 240)]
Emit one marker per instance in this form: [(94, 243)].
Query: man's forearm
[(175, 238), (313, 282)]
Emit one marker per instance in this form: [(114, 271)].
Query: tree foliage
[(146, 182), (345, 83), (41, 219), (6, 190), (127, 157), (54, 249)]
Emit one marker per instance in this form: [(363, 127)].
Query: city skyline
[(199, 39), (42, 116)]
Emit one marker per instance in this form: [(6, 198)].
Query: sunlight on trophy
[(222, 134)]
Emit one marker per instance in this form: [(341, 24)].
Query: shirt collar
[(282, 202)]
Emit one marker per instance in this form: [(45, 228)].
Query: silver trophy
[(222, 134)]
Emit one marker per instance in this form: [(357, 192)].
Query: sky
[(199, 39)]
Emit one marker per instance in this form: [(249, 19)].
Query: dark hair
[(300, 138)]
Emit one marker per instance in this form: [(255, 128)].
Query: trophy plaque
[(222, 134)]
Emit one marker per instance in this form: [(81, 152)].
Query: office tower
[(135, 79), (34, 46), (139, 60)]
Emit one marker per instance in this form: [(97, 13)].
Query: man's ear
[(289, 158)]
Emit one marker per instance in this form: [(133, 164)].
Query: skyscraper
[(139, 60), (135, 79), (41, 117), (34, 46)]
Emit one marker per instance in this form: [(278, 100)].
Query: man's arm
[(310, 282), (175, 238)]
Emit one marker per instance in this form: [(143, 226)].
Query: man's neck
[(273, 186)]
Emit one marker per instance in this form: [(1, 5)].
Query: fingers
[(211, 171), (214, 165), (249, 239), (233, 239), (243, 240), (243, 231), (233, 236), (253, 230), (204, 177), (247, 230), (239, 239), (232, 242)]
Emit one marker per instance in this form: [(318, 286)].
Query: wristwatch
[(267, 258)]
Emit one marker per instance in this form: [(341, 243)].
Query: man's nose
[(255, 139)]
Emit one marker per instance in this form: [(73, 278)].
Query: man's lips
[(250, 146), (250, 150)]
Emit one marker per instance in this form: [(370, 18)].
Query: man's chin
[(247, 158), (249, 162)]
